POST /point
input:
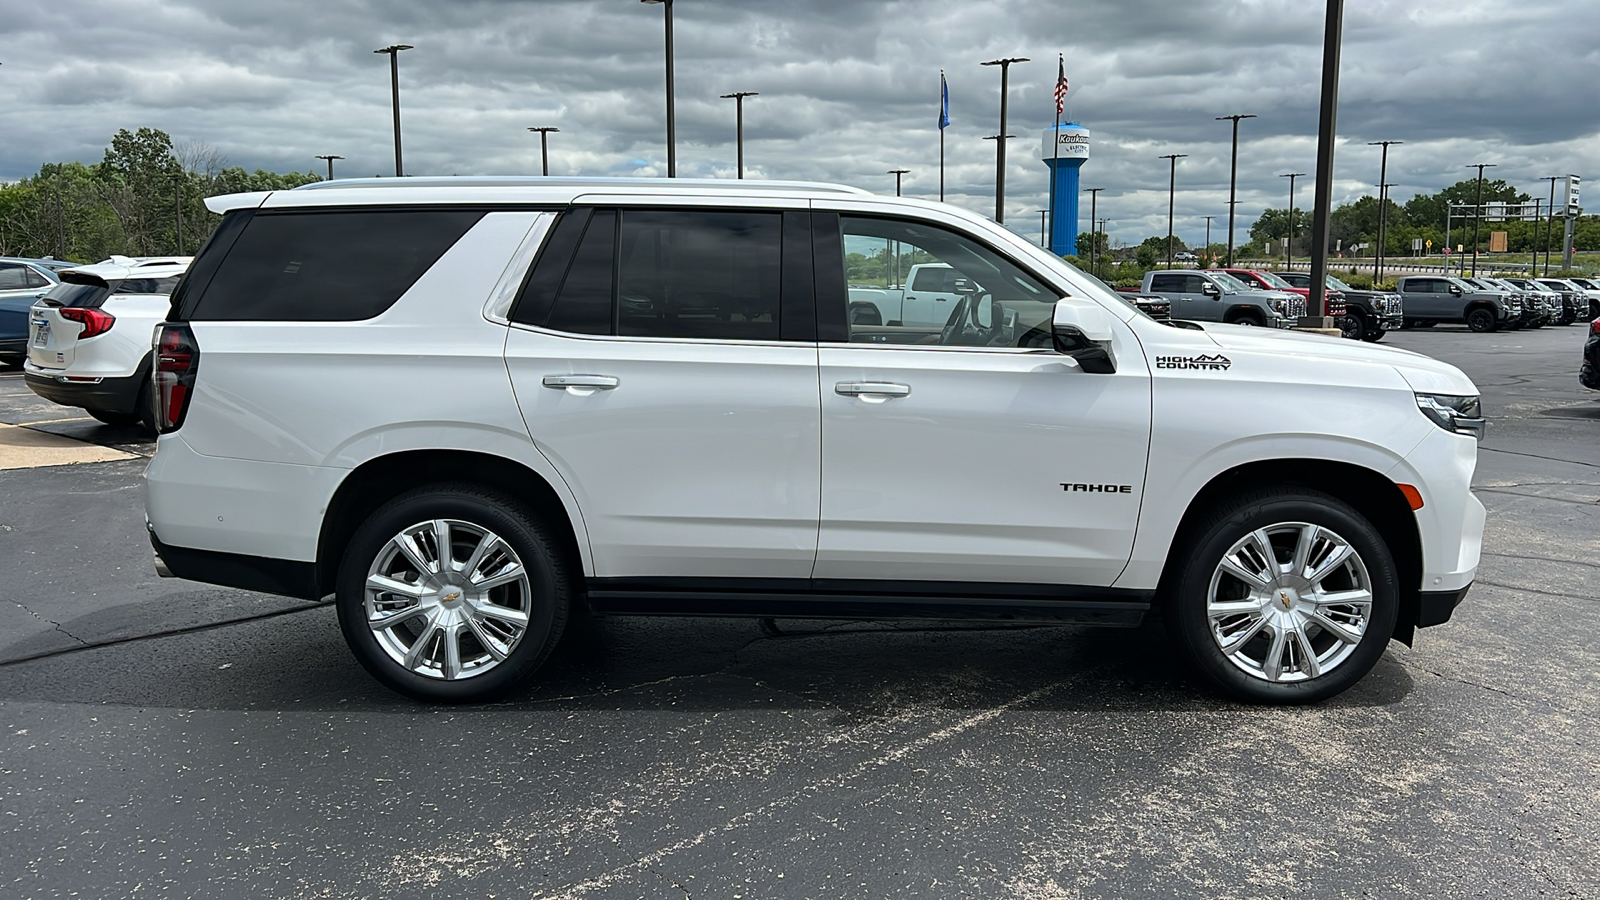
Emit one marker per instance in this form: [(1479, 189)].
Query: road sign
[(1447, 251), (1429, 242), (1416, 244)]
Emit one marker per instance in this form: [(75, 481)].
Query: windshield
[(1275, 280), (1229, 283), (1338, 285)]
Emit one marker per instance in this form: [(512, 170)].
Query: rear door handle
[(582, 384), (871, 389)]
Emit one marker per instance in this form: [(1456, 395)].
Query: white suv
[(464, 406), (89, 337)]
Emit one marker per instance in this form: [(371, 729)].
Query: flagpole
[(1055, 153)]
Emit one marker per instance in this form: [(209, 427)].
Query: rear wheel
[(453, 594), (1481, 320), (1289, 596)]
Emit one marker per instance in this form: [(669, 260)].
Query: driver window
[(918, 284)]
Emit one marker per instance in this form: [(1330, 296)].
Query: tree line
[(132, 202)]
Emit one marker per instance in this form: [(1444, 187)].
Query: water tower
[(1065, 149)]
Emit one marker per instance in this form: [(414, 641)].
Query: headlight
[(1462, 415)]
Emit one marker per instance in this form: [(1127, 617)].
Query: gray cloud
[(848, 90)]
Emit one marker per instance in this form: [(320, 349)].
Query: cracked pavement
[(172, 739)]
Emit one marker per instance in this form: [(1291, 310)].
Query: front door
[(664, 375), (976, 453)]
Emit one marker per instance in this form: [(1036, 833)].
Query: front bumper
[(1436, 607)]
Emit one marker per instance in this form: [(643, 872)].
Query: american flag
[(1061, 86)]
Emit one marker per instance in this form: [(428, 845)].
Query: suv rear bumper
[(114, 395), (285, 577)]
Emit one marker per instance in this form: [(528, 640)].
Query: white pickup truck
[(931, 291)]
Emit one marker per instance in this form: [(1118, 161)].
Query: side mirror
[(1083, 331), (1210, 289), (983, 312), (1455, 289)]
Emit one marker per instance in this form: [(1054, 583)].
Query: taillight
[(177, 357), (94, 321), (1594, 327)]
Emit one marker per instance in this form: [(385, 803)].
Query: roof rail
[(715, 184)]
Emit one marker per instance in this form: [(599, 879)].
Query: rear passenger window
[(1166, 284), (328, 265), (699, 274), (583, 305)]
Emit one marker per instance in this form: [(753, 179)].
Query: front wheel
[(452, 593), (1373, 336), (1249, 318), (1481, 320), (1288, 596), (1353, 327)]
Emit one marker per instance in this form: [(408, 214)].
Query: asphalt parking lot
[(167, 739)]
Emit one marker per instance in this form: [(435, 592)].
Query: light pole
[(1233, 177), (1103, 224), (897, 173), (1477, 214), (1383, 208), (544, 147), (738, 116), (1383, 231), (1000, 139), (1094, 239), (1288, 253), (1208, 234), (177, 206), (1551, 207), (330, 159), (1327, 122), (393, 50), (1042, 214), (672, 119), (1172, 188)]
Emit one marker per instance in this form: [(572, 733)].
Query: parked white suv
[(463, 406), (89, 337)]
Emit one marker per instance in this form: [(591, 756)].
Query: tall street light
[(1383, 229), (1477, 213), (738, 116), (897, 173), (544, 147), (1042, 225), (1094, 238), (1102, 231), (1383, 208), (1233, 176), (1550, 225), (1000, 139), (330, 158), (1288, 254), (1172, 188), (1327, 123), (1208, 234), (672, 118), (393, 50)]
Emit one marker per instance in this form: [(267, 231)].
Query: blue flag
[(944, 103)]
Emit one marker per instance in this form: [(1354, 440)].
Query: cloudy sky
[(847, 89)]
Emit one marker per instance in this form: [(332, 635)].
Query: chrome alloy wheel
[(1289, 602), (447, 599)]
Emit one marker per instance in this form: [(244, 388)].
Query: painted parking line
[(25, 448), (54, 421)]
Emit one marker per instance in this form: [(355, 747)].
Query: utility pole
[(1383, 208), (544, 147), (897, 173), (1288, 251), (1094, 237), (1172, 188), (1002, 137), (330, 160), (672, 118), (738, 104), (1233, 177), (1477, 213), (393, 50), (1550, 225)]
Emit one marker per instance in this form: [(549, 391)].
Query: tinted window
[(583, 305), (146, 285), (36, 280), (699, 274), (328, 265), (13, 278), (88, 293), (1193, 284), (1168, 284)]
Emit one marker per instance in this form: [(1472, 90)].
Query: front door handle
[(582, 385), (871, 390)]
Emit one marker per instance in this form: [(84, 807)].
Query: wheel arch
[(381, 479), (1372, 494), (1241, 310)]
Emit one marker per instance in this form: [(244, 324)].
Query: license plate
[(41, 335)]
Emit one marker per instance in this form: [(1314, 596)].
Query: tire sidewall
[(1187, 607), (1480, 320), (540, 559)]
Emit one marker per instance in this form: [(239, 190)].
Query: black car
[(1589, 372), (1368, 315)]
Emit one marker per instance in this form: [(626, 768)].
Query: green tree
[(1087, 242), (1429, 209)]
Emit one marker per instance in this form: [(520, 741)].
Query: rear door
[(665, 362)]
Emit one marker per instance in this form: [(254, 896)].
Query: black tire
[(1374, 336), (1187, 589), (1353, 327), (114, 418), (1481, 320), (536, 545), (1253, 319)]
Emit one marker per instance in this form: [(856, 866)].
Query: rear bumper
[(116, 395), (286, 577)]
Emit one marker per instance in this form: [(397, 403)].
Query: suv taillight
[(177, 357), (94, 321), (1594, 327)]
